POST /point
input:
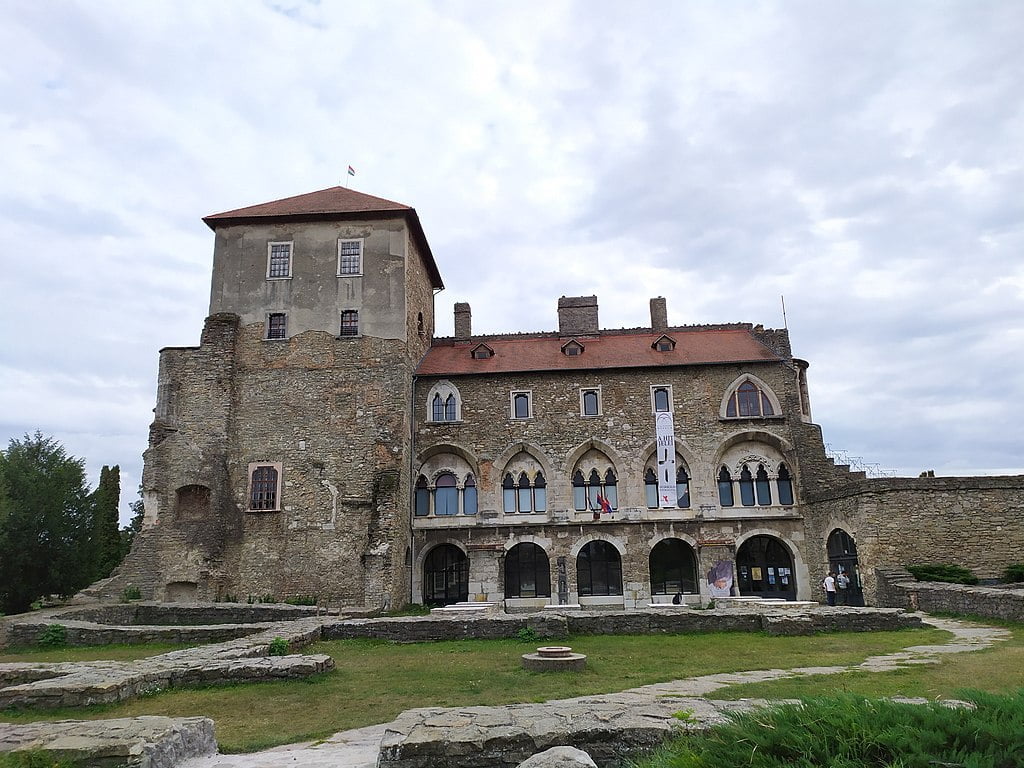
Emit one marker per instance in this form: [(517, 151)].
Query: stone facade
[(320, 441)]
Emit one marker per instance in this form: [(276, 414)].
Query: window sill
[(275, 279), (262, 511), (276, 338), (752, 418), (446, 421), (352, 274)]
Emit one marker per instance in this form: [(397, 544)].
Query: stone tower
[(278, 458)]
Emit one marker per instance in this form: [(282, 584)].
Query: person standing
[(830, 588), (842, 582)]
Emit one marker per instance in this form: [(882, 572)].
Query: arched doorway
[(445, 576), (765, 568), (673, 568), (599, 570), (842, 558), (527, 573)]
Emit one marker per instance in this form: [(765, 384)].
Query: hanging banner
[(664, 429)]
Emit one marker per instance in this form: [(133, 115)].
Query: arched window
[(599, 570), (763, 488), (594, 489), (508, 494), (445, 576), (540, 493), (682, 488), (746, 487), (446, 495), (444, 402), (579, 491), (527, 573), (525, 497), (725, 497), (651, 488), (438, 408), (263, 488), (673, 568), (785, 484), (749, 401), (469, 498), (422, 497)]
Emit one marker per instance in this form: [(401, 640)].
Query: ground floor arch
[(445, 576), (527, 571), (842, 559), (764, 568), (599, 569), (673, 568)]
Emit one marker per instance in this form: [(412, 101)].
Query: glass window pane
[(522, 406), (508, 500), (540, 499), (746, 488), (590, 403), (469, 500), (661, 400), (725, 497)]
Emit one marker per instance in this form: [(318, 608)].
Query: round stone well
[(554, 658)]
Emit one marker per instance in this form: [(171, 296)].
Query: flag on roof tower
[(351, 171)]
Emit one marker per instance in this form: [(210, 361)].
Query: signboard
[(664, 429)]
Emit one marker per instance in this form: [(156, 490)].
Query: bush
[(301, 600), (527, 635), (1014, 574), (950, 574), (131, 592), (278, 647), (54, 636), (851, 731)]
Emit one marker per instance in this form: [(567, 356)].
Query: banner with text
[(664, 428)]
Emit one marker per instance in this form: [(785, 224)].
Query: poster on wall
[(720, 579), (664, 430), (755, 574)]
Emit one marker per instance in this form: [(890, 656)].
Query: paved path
[(359, 748)]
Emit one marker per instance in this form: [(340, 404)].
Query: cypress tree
[(106, 535)]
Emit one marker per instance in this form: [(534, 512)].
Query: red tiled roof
[(626, 350), (333, 200), (331, 204)]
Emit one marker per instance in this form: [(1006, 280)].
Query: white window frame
[(359, 270), (671, 400), (600, 403), (267, 336), (512, 404), (291, 258), (279, 468)]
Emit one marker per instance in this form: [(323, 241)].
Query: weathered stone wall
[(903, 591), (975, 522)]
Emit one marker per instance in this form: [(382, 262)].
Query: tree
[(45, 523), (106, 536), (138, 509)]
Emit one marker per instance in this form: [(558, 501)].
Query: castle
[(321, 442)]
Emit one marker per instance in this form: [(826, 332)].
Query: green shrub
[(527, 635), (301, 600), (851, 731), (131, 592), (54, 636), (1014, 574), (951, 574), (278, 647)]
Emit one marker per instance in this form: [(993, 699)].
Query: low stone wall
[(677, 621), (137, 742), (179, 614), (900, 590), (25, 633)]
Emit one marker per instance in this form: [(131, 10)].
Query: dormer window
[(572, 348), (664, 344), (482, 352)]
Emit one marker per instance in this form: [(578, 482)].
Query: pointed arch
[(748, 397)]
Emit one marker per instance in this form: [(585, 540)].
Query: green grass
[(88, 652), (999, 669), (376, 680), (852, 732)]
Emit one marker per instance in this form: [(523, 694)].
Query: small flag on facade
[(351, 171)]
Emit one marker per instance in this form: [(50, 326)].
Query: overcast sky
[(865, 160)]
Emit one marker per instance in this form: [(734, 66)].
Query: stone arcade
[(321, 442)]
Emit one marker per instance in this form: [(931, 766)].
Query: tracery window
[(749, 401), (785, 485), (587, 491), (746, 487), (763, 487), (523, 495), (444, 499), (443, 402)]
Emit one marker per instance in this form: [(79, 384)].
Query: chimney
[(659, 315), (463, 321), (577, 315)]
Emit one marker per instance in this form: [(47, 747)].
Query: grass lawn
[(88, 652), (376, 680), (997, 670)]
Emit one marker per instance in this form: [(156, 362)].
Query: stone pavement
[(504, 736)]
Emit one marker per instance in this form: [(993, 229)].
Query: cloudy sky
[(863, 159)]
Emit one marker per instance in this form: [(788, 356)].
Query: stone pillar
[(463, 321)]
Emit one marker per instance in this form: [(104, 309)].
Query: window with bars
[(276, 325), (349, 323), (350, 257), (263, 485), (279, 260)]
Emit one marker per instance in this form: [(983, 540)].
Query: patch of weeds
[(301, 600), (131, 592), (685, 715), (33, 758), (278, 647), (54, 636), (527, 635)]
